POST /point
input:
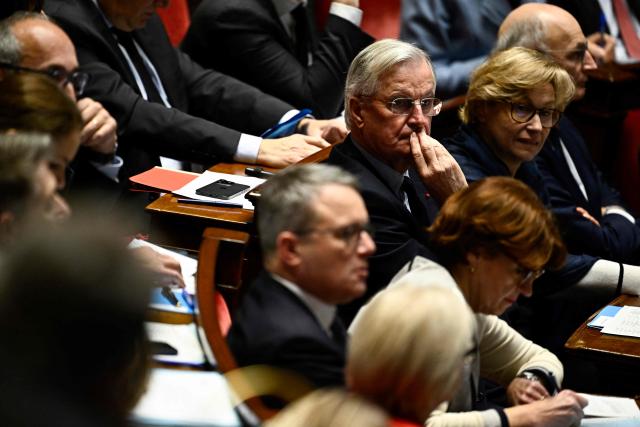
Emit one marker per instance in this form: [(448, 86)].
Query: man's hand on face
[(438, 170), (333, 131), (99, 128), (601, 47), (291, 149)]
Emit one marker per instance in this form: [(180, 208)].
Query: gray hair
[(373, 62), (530, 33), (20, 152), (10, 46), (286, 199)]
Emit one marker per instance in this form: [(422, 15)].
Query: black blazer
[(246, 39), (209, 108), (273, 326), (587, 12), (617, 238), (399, 237)]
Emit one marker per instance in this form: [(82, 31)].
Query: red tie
[(627, 31)]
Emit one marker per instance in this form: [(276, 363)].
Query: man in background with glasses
[(316, 240), (404, 174), (590, 212), (30, 43)]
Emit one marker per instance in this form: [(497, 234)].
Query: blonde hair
[(330, 408), (510, 74), (406, 352)]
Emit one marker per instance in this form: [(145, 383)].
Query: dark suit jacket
[(246, 39), (587, 13), (399, 237), (209, 108), (273, 326), (616, 239), (478, 161)]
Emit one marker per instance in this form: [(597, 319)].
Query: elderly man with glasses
[(404, 174), (590, 212), (313, 260), (31, 43)]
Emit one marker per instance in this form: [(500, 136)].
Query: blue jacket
[(617, 238), (478, 161)]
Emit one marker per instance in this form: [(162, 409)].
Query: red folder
[(159, 178)]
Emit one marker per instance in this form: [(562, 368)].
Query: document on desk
[(181, 337), (610, 407), (188, 265), (189, 190), (626, 322), (185, 398)]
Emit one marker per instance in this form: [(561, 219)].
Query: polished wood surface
[(592, 342), (225, 262)]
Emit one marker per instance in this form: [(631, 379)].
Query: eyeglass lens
[(523, 113), (428, 106)]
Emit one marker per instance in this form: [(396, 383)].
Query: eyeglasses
[(526, 274), (523, 113), (404, 106), (349, 234), (78, 79)]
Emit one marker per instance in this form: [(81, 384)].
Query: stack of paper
[(626, 322), (185, 398)]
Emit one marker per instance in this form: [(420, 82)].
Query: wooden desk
[(592, 343), (181, 225)]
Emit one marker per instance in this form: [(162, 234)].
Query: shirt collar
[(323, 312), (392, 177), (286, 6)]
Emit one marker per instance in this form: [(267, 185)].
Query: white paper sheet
[(609, 406), (626, 322), (208, 177), (185, 398), (181, 337)]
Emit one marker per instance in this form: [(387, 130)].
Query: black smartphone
[(222, 189)]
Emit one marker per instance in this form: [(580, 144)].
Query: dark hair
[(497, 214), (8, 7), (72, 308)]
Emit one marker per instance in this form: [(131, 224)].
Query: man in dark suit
[(164, 103), (314, 232), (591, 214), (296, 63), (31, 41), (404, 174)]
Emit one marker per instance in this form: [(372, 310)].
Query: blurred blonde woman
[(407, 350), (330, 408)]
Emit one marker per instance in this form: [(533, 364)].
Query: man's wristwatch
[(545, 378)]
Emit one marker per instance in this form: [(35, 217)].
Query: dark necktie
[(126, 40), (303, 37), (338, 333), (417, 209), (627, 30)]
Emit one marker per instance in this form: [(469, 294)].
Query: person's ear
[(356, 118), (473, 259), (287, 248)]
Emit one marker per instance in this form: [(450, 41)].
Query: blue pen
[(187, 298), (286, 127), (603, 26)]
